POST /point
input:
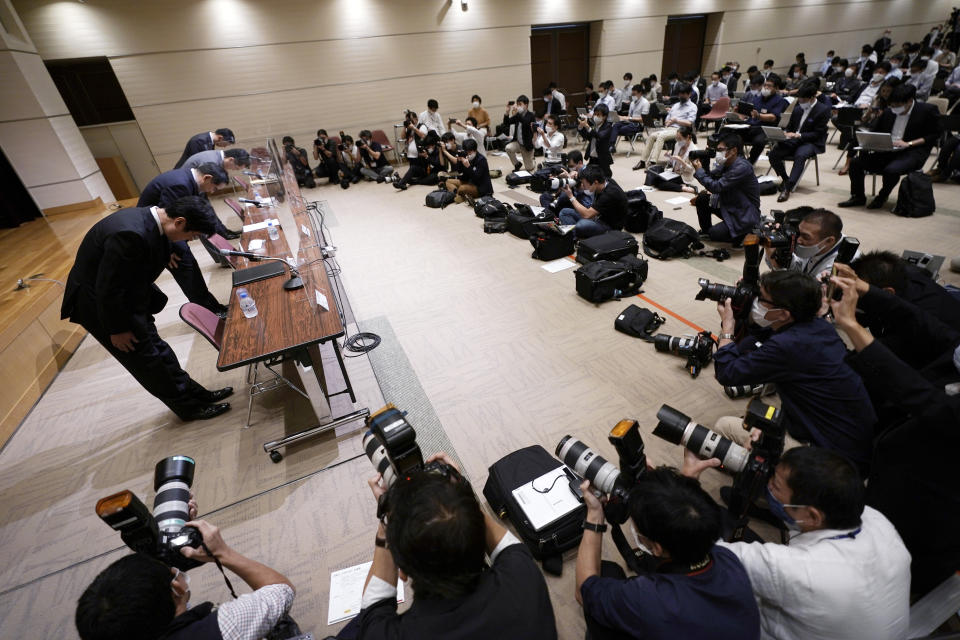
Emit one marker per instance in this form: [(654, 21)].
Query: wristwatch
[(599, 528), (380, 542), (726, 336)]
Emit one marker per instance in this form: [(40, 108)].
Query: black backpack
[(495, 224), (767, 188), (514, 180), (668, 238), (549, 245), (514, 471), (607, 246), (493, 208), (641, 213), (915, 198), (481, 202), (638, 322), (605, 280), (439, 199), (521, 222)]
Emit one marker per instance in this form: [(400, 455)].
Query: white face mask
[(716, 83), (758, 312), (475, 104), (805, 105), (471, 156), (450, 146), (899, 110), (765, 92), (550, 128), (837, 69), (521, 109), (848, 73), (878, 77), (597, 119), (805, 252), (588, 192)]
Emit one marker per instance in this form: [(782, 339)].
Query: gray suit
[(213, 155)]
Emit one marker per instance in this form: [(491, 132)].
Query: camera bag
[(653, 177), (495, 173), (514, 180), (638, 322), (549, 245), (488, 206), (637, 264), (515, 470), (521, 222), (607, 246), (767, 188), (667, 238), (605, 280), (439, 199), (495, 224), (915, 197), (641, 213)]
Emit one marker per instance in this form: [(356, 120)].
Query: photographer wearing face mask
[(818, 237), (522, 119), (698, 589), (824, 401), (845, 574), (608, 210), (600, 138), (683, 113), (558, 201), (766, 113), (474, 171), (375, 165), (549, 138), (632, 123), (471, 130), (732, 193)]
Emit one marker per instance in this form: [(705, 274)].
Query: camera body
[(162, 534), (697, 349), (361, 143), (702, 154), (743, 293), (778, 234)]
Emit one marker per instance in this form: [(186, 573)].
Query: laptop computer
[(774, 133), (872, 141)]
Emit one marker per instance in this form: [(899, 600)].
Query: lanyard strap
[(851, 535)]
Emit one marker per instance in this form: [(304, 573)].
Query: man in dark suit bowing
[(914, 126), (205, 142), (111, 293), (806, 137), (161, 192)]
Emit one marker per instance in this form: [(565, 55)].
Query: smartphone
[(845, 252), (511, 103)]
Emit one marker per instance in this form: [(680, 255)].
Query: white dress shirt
[(433, 121), (562, 98), (865, 99), (895, 72), (686, 111), (639, 107), (900, 123), (716, 91), (831, 584), (610, 102), (552, 148)]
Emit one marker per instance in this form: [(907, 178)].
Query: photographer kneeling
[(608, 210), (556, 200), (845, 574), (699, 590), (297, 157), (375, 165), (474, 181), (732, 193), (824, 401), (140, 597), (435, 533)]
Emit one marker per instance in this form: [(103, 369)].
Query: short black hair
[(653, 77), (469, 145), (522, 98), (807, 90), (918, 63), (688, 132), (365, 134), (432, 104), (826, 480), (240, 156), (554, 119), (756, 79), (588, 85), (675, 512), (448, 136), (475, 97), (798, 293), (883, 269), (830, 223), (575, 157), (129, 600), (867, 49), (321, 132), (288, 140), (732, 141), (227, 135), (547, 91), (638, 88), (628, 75), (673, 74), (602, 109), (472, 120), (901, 93), (801, 55), (592, 173), (752, 69), (347, 138), (436, 534), (844, 62), (768, 62), (685, 88), (210, 169), (885, 65), (197, 211), (775, 80)]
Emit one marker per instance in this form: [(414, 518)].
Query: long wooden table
[(290, 325)]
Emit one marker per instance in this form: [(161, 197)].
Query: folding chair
[(847, 118), (242, 182), (235, 206), (379, 136), (941, 103), (213, 244), (718, 112), (816, 166)]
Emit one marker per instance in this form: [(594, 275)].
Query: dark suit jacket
[(847, 89), (167, 187), (814, 127), (554, 107), (478, 174), (924, 122), (196, 144), (739, 193), (525, 120), (603, 138), (110, 287)]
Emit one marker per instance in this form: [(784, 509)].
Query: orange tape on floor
[(670, 313)]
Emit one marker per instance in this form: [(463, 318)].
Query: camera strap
[(206, 549)]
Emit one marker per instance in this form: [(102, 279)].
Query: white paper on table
[(255, 245), (559, 265), (305, 229), (536, 210), (346, 592), (678, 200), (522, 174), (322, 300), (256, 226)]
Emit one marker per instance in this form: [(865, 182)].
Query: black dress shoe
[(207, 412), (216, 396), (516, 166), (854, 201), (877, 202), (381, 179), (784, 195)]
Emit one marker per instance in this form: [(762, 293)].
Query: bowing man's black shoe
[(854, 201), (207, 412), (216, 396)]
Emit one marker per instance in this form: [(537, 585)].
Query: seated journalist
[(732, 193), (824, 401), (608, 210), (140, 598), (845, 574), (435, 534), (698, 590)]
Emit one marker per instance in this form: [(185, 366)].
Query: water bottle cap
[(243, 294)]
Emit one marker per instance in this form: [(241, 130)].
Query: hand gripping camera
[(162, 534), (697, 349), (745, 291), (778, 234)]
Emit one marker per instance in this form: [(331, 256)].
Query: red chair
[(214, 243), (243, 183), (718, 112), (380, 137), (237, 209)]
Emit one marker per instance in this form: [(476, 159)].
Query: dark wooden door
[(683, 44), (559, 54)]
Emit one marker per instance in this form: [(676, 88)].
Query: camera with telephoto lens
[(702, 154), (162, 534), (361, 143), (752, 468), (778, 234), (742, 295), (697, 349), (540, 183), (616, 483)]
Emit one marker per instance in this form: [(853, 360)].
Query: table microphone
[(255, 203), (294, 282), (255, 174)]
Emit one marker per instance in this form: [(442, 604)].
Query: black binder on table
[(259, 272)]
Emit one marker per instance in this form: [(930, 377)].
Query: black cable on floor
[(362, 342)]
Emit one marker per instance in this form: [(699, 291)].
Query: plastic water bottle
[(256, 194), (247, 305), (272, 230)]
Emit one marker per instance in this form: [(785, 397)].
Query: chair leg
[(816, 167), (832, 136), (840, 158), (874, 187)]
